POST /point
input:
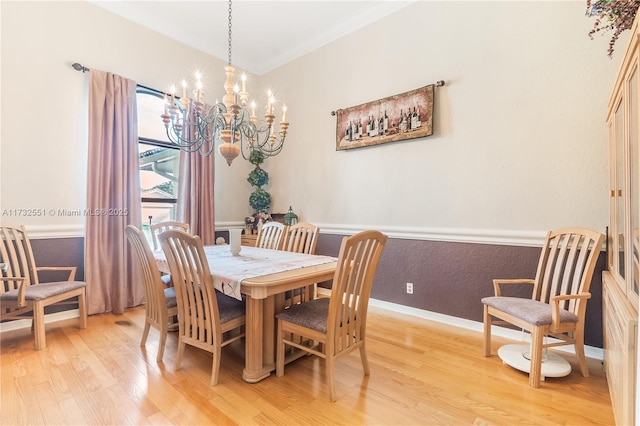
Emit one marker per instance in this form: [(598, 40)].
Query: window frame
[(140, 89)]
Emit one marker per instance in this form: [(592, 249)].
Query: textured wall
[(59, 252), (519, 143)]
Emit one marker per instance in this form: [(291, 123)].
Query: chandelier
[(195, 126)]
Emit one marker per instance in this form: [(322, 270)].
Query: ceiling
[(265, 34)]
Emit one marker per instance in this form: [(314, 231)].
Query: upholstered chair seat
[(531, 311), (311, 314), (44, 290), (229, 308)]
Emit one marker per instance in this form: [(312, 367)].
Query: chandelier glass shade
[(233, 124)]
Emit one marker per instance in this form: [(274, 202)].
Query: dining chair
[(22, 295), (160, 302), (157, 229), (558, 299), (335, 326), (301, 237), (207, 319), (270, 235), (160, 227)]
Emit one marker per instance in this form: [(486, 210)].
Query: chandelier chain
[(229, 32)]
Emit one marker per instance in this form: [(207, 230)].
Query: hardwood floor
[(421, 373)]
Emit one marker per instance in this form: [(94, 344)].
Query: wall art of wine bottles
[(408, 115)]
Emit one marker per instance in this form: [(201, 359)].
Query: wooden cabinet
[(621, 281), (249, 240)]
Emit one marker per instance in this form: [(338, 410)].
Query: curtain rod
[(79, 67), (438, 83)]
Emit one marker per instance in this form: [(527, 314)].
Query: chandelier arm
[(245, 149), (267, 148), (183, 144), (176, 136)]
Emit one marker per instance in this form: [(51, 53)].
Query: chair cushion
[(44, 290), (531, 311), (229, 307), (311, 314), (170, 296), (166, 279)]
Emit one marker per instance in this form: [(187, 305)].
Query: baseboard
[(26, 323), (515, 335)]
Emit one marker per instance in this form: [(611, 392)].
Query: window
[(159, 161)]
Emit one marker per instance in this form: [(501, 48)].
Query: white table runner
[(228, 271)]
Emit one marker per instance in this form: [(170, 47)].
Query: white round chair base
[(553, 366)]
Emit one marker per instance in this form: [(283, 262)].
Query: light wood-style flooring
[(422, 373)]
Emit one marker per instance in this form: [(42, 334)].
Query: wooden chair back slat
[(159, 228), (301, 238), (566, 265), (270, 236), (15, 251)]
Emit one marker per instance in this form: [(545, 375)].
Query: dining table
[(260, 277)]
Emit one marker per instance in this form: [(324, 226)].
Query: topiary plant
[(260, 200), (256, 158), (258, 177)]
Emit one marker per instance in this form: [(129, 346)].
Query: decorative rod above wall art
[(408, 115)]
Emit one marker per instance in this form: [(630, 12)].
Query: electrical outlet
[(409, 288)]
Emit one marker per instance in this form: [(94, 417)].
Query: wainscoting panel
[(450, 278)]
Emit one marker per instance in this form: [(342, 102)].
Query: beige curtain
[(195, 194), (113, 194)]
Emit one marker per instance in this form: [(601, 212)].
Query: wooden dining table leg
[(269, 334), (254, 369)]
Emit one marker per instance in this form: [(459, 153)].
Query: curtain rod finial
[(78, 67)]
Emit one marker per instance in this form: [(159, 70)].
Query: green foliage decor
[(260, 200), (256, 158), (258, 177)]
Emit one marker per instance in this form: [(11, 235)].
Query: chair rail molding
[(55, 231), (460, 235)]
